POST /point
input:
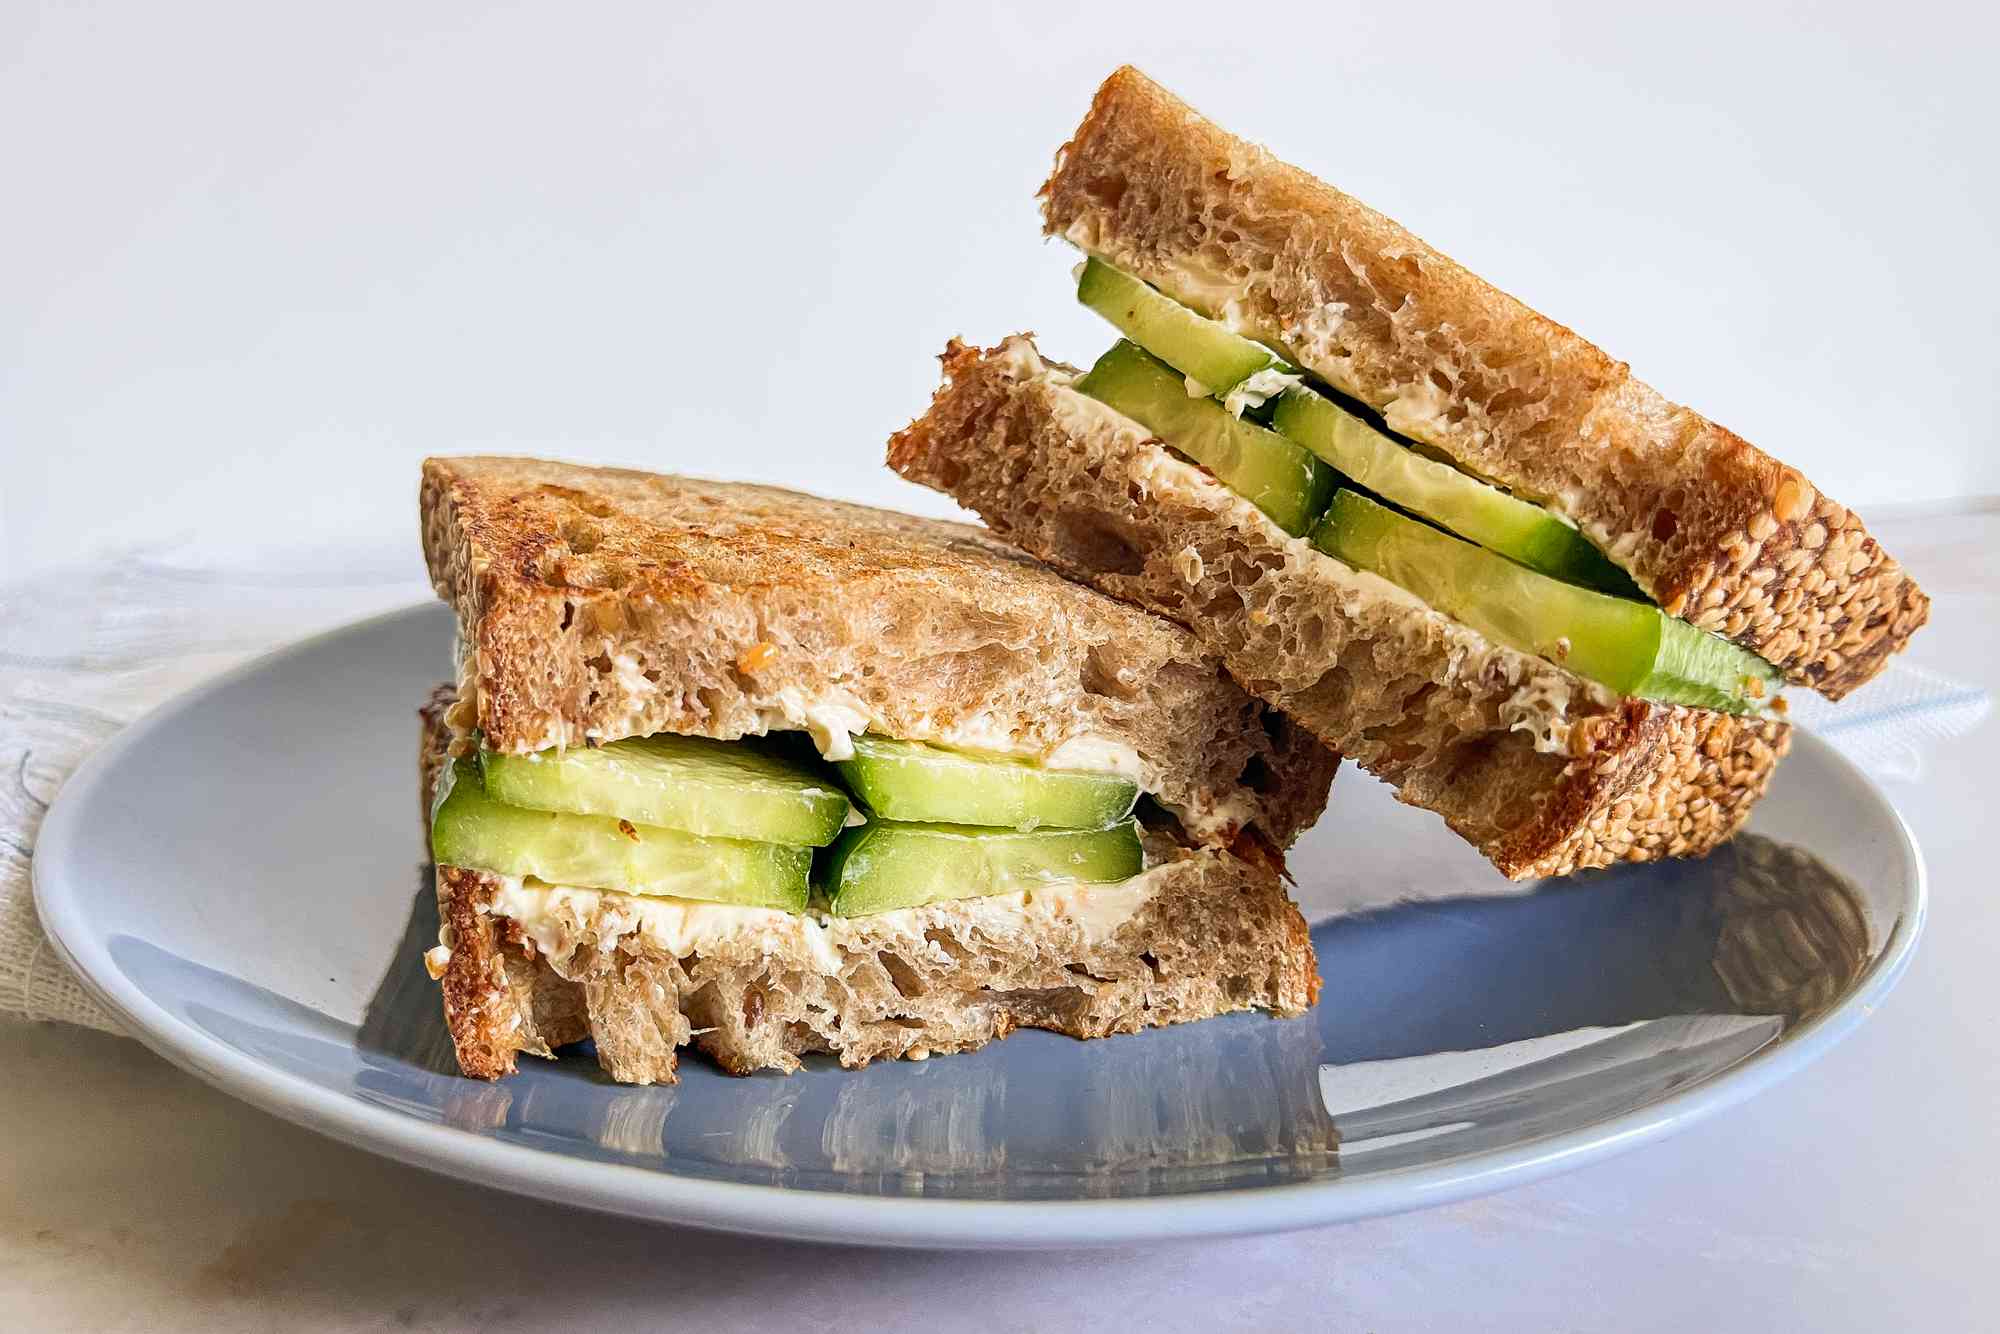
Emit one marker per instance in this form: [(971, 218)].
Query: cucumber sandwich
[(1447, 536), (775, 775)]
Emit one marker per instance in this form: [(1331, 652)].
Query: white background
[(257, 260)]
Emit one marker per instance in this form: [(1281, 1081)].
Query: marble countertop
[(1847, 1198)]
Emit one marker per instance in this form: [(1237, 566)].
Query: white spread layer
[(1205, 294), (1095, 754), (834, 716), (831, 716), (1265, 384), (1234, 809), (551, 916), (994, 734), (1417, 411)]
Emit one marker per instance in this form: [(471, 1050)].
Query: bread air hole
[(1105, 191), (1101, 675), (1328, 695), (1096, 546), (1257, 776), (1040, 1002), (943, 941), (908, 983)]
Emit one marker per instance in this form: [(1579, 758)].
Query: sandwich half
[(1446, 535), (775, 775)]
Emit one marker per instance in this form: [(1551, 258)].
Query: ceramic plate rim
[(927, 1223)]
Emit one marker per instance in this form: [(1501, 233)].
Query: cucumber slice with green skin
[(1197, 347), (1636, 649), (1277, 476), (884, 865), (724, 789), (906, 780), (1469, 507), (470, 829)]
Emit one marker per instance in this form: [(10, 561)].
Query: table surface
[(136, 1197)]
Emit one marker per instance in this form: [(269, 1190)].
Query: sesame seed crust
[(1652, 781)]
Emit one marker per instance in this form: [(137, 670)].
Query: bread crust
[(1544, 772), (1718, 532), (498, 999), (1217, 934), (596, 603)]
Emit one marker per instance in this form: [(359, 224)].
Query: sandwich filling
[(1327, 470), (688, 840), (558, 918)]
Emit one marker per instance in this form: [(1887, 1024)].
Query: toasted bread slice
[(596, 604), (1716, 531), (1543, 771), (1208, 932)]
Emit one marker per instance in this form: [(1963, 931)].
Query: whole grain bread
[(596, 604), (1216, 934), (1544, 771), (1716, 531)]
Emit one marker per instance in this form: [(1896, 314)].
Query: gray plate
[(239, 877)]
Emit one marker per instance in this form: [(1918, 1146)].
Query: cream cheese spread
[(831, 717), (1095, 754), (1265, 384), (553, 915), (1417, 411)]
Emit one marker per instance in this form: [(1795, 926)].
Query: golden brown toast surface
[(598, 603)]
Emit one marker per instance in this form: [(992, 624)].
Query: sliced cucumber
[(471, 829), (1634, 648), (725, 789), (1197, 347), (1469, 507), (885, 865), (905, 780), (1277, 476)]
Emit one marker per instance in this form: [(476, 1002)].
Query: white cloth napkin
[(83, 652)]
